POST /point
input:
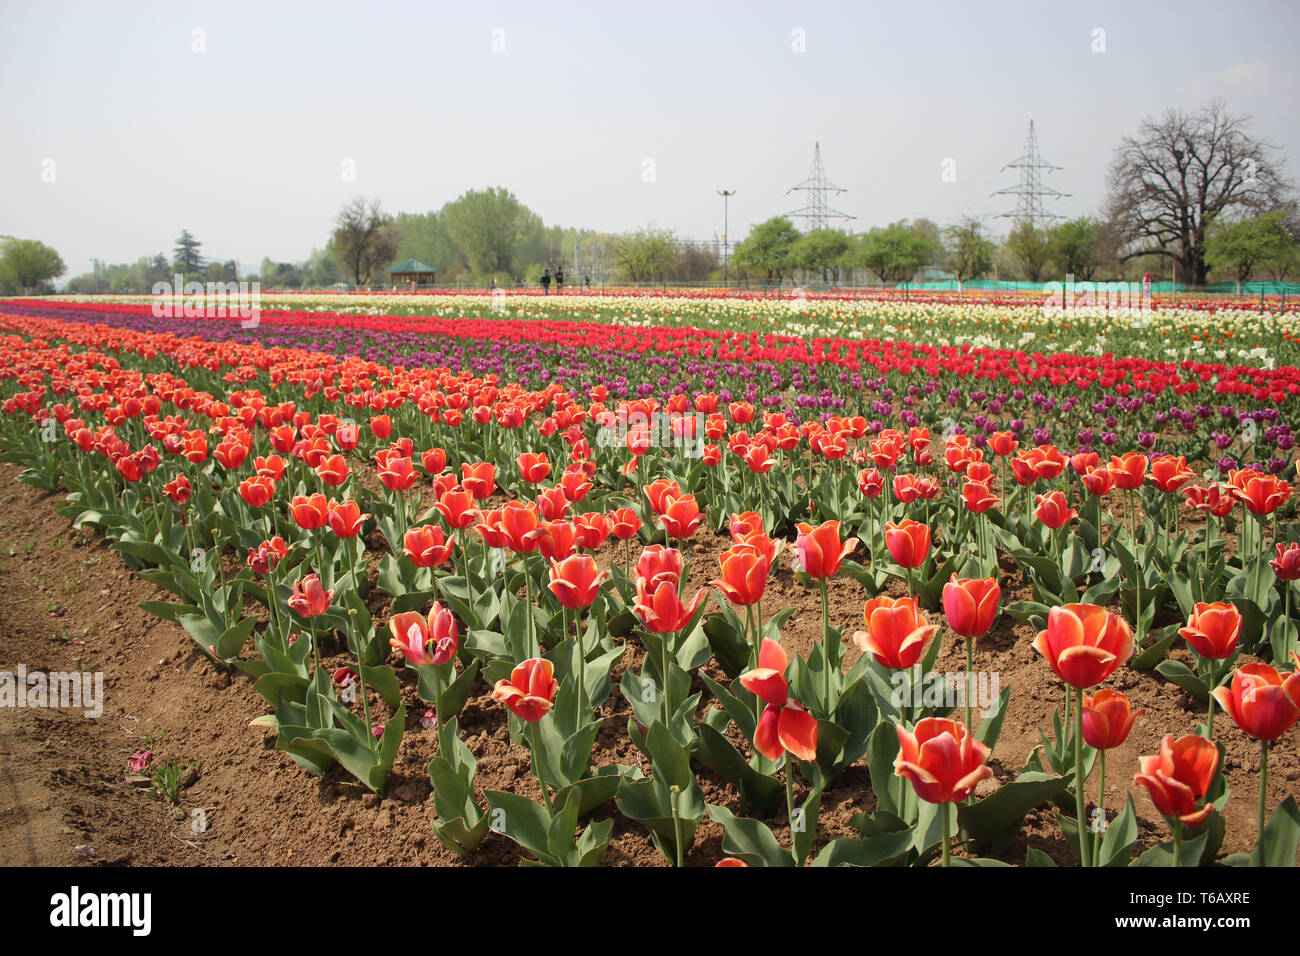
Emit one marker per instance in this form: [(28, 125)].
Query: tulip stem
[(970, 647), (831, 661), (361, 675), (1258, 856), (1210, 710), (677, 825), (789, 802), (1079, 777), (535, 647), (1178, 843), (1101, 785), (535, 742), (945, 811)]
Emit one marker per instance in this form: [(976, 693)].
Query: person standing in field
[(546, 282), (559, 279)]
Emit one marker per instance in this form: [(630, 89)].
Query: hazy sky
[(240, 121)]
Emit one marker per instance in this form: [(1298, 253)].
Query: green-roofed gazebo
[(414, 272)]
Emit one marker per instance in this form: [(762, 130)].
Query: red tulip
[(397, 474), (744, 574), (257, 491), (434, 461), (896, 634), (332, 470), (1128, 470), (519, 525), (555, 540), (425, 546), (908, 542), (942, 759), (820, 550), (1107, 719), (681, 517), (593, 528), (1179, 776), (1287, 563), (345, 519), (977, 497), (381, 426), (1169, 473), (1098, 481), (625, 523), (479, 479), (309, 598), (553, 504), (1084, 643), (309, 512), (1260, 493), (1213, 630), (1264, 703), (534, 467), (457, 508), (423, 642), (784, 724), (575, 581), (530, 690), (971, 604), (1054, 510)]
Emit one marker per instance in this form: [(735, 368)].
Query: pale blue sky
[(244, 143)]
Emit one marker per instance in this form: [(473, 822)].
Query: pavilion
[(413, 272)]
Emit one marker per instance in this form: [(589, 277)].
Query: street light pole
[(726, 194)]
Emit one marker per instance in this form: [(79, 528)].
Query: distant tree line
[(1191, 195)]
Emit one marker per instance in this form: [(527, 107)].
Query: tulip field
[(801, 580)]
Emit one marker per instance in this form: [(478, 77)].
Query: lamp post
[(726, 194)]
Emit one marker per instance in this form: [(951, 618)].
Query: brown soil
[(71, 605)]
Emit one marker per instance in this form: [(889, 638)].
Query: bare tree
[(365, 240), (1182, 171)]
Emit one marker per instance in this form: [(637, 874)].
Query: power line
[(1031, 191), (817, 214)]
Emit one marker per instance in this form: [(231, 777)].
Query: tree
[(1031, 249), (187, 257), (898, 251), (1073, 247), (768, 249), (966, 252), (821, 251), (645, 254), (1239, 246), (365, 239), (1179, 173), (27, 264), (487, 226)]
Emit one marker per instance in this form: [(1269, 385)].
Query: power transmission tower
[(1031, 191), (817, 213)]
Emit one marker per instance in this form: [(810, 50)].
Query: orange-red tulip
[(1054, 510), (1084, 643), (1107, 719), (1213, 630), (575, 581), (425, 546), (821, 553), (896, 634), (942, 759), (908, 542), (425, 641), (530, 690), (744, 574), (1179, 776), (345, 518), (971, 604), (1264, 703)]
